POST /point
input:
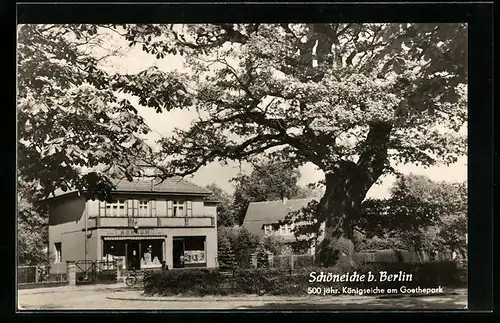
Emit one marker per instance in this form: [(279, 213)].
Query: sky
[(134, 60)]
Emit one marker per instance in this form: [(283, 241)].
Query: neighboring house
[(146, 224), (262, 219)]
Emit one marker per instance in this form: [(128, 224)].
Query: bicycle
[(131, 278)]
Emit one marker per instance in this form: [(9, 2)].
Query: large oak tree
[(353, 99)]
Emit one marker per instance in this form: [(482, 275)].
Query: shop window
[(58, 252), (194, 250), (116, 209), (189, 252), (151, 253)]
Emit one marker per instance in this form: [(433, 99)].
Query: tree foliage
[(225, 252), (71, 115), (32, 228), (243, 243), (420, 215), (225, 215), (262, 257), (273, 244)]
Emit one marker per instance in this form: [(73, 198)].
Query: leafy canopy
[(312, 92), (420, 214), (298, 92), (225, 215), (71, 116)]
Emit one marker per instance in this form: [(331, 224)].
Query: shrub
[(262, 257), (106, 276), (186, 281), (243, 244), (225, 253), (273, 244)]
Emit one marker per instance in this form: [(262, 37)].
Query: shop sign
[(128, 232)]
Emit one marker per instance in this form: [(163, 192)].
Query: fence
[(395, 255), (291, 262), (92, 271), (38, 275)]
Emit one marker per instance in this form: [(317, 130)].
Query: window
[(282, 229), (178, 208), (57, 252), (116, 209), (194, 250), (143, 208)]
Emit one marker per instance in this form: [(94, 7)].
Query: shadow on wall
[(66, 209)]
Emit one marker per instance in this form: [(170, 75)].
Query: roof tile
[(173, 185)]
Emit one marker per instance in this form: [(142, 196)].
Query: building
[(147, 223), (263, 219)]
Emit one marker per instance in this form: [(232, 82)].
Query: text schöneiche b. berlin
[(322, 277)]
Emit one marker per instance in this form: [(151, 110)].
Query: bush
[(106, 276), (262, 257), (225, 253), (187, 281), (242, 242)]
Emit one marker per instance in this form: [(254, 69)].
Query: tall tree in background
[(421, 215), (353, 99), (225, 216), (32, 228), (267, 182)]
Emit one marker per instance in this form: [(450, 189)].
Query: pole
[(86, 232)]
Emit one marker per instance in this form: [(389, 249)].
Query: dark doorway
[(133, 255), (178, 252)]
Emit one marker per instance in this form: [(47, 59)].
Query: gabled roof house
[(147, 223), (263, 218)]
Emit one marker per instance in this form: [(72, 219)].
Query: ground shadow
[(119, 289), (406, 303)]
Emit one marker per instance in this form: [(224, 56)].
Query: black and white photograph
[(242, 166)]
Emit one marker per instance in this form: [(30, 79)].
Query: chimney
[(285, 199)]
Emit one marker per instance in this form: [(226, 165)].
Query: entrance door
[(177, 252), (133, 255)]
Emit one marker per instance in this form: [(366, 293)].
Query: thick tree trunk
[(346, 188), (339, 208)]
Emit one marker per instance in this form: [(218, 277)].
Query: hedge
[(105, 276), (261, 281)]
